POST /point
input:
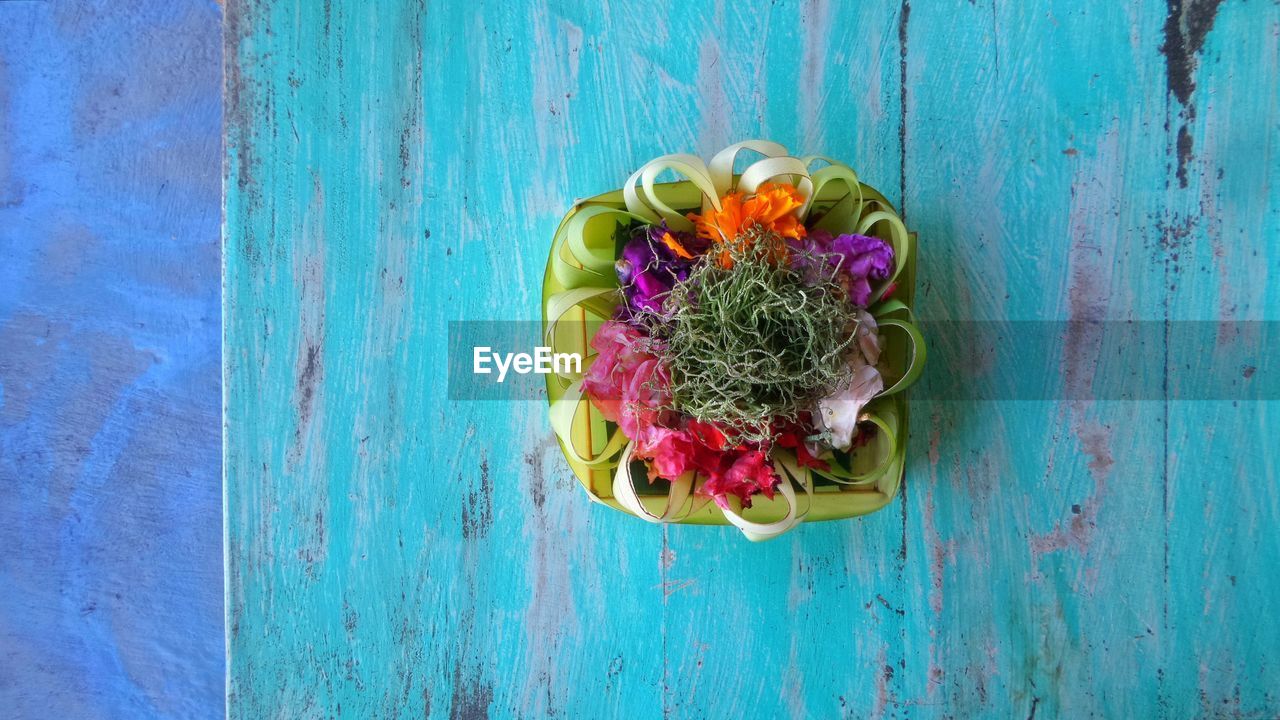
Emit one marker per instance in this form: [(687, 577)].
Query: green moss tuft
[(757, 342)]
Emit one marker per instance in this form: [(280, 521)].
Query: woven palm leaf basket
[(581, 293)]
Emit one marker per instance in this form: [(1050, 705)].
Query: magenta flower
[(651, 264), (858, 260)]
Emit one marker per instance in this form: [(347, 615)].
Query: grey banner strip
[(985, 361)]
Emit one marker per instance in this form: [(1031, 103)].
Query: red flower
[(708, 434), (744, 474)]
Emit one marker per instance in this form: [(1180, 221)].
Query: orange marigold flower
[(676, 247), (772, 209)]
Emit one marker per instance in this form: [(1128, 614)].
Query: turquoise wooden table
[(394, 166)]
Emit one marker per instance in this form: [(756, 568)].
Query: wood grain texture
[(110, 470), (395, 166)]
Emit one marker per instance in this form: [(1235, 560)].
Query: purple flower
[(651, 264), (858, 259)]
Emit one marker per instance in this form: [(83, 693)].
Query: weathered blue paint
[(395, 166), (110, 534)]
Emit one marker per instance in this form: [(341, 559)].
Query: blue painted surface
[(395, 166), (110, 481)]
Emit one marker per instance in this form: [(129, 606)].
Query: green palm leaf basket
[(580, 292)]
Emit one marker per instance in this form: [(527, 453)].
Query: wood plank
[(1222, 235), (809, 625), (1106, 608), (1036, 170), (394, 552)]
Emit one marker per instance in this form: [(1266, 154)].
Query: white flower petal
[(837, 415)]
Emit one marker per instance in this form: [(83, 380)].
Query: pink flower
[(620, 357), (671, 453), (630, 387)]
